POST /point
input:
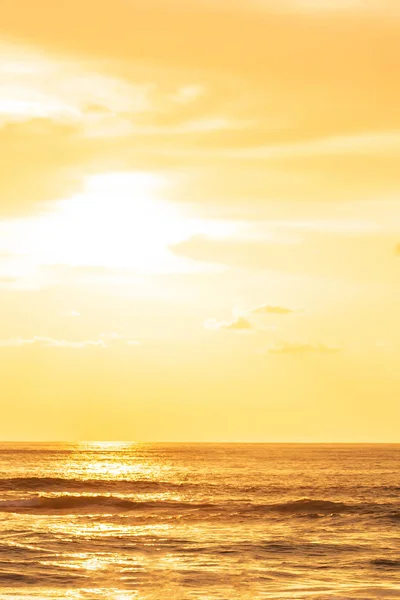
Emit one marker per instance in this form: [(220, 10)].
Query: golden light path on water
[(106, 460)]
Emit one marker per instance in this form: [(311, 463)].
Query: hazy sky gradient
[(200, 220)]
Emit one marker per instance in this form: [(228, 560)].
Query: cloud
[(273, 310), (238, 324), (244, 323), (46, 342), (291, 39), (326, 253), (302, 348), (107, 113), (88, 118), (35, 85), (366, 143)]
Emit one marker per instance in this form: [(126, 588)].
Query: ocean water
[(199, 521)]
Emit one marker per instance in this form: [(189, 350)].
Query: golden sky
[(200, 220)]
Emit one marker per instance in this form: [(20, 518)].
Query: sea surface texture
[(199, 521)]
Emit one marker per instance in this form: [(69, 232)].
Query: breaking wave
[(75, 503), (107, 503)]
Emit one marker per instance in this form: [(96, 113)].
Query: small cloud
[(132, 343), (238, 324), (74, 313), (46, 342), (245, 323), (302, 348), (271, 310)]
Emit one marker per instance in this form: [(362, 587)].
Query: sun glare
[(119, 221)]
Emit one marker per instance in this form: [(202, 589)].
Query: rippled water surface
[(199, 521)]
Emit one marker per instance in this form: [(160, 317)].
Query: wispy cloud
[(302, 348), (36, 86), (367, 143), (244, 321), (238, 324)]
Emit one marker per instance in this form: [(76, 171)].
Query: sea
[(139, 521)]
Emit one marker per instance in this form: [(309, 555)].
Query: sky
[(200, 220)]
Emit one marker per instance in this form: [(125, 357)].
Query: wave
[(76, 503), (62, 484), (131, 486), (305, 505), (386, 563), (112, 503)]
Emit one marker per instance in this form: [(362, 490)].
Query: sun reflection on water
[(111, 446), (112, 461)]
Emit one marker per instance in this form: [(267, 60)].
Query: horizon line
[(209, 442)]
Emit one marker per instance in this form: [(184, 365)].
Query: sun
[(118, 221)]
